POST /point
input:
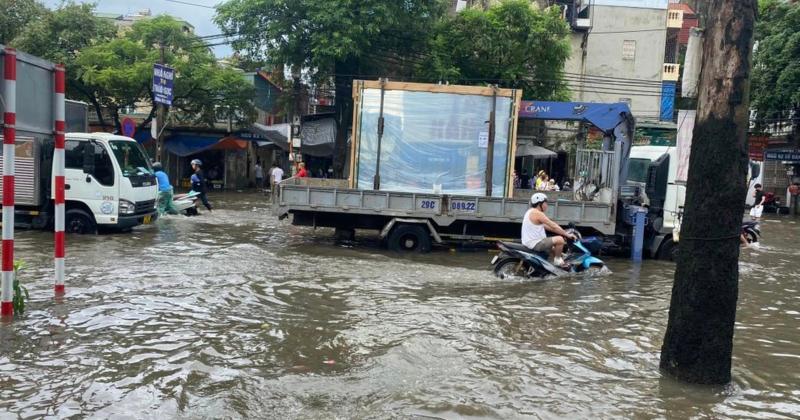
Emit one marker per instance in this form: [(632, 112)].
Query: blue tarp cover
[(186, 144)]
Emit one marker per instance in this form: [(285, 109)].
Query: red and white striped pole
[(9, 138), (58, 173)]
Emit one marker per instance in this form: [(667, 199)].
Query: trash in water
[(329, 362)]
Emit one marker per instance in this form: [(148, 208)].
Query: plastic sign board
[(128, 127), (163, 77)]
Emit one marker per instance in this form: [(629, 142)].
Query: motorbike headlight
[(126, 207)]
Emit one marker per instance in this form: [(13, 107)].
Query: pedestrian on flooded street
[(165, 204), (199, 182), (259, 175), (758, 206)]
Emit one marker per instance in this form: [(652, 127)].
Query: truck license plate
[(146, 220)]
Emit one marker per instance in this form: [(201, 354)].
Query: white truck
[(654, 169), (109, 181)]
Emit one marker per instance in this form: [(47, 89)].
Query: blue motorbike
[(517, 260)]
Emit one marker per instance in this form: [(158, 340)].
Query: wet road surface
[(237, 315)]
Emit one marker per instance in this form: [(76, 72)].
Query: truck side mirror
[(755, 170), (88, 158)]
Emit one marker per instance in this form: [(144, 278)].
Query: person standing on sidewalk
[(199, 182)]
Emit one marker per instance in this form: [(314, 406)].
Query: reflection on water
[(234, 314)]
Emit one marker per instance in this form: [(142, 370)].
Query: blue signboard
[(783, 155), (163, 76), (667, 101)]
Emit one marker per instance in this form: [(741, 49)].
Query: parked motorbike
[(751, 231), (517, 260)]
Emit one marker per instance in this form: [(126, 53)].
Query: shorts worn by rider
[(545, 245)]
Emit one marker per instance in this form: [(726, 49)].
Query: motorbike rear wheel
[(509, 268)]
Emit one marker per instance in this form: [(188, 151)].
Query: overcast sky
[(200, 17)]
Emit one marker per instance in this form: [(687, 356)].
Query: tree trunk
[(698, 343), (343, 81)]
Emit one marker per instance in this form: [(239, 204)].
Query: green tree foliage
[(512, 44), (334, 38), (112, 69), (59, 36), (776, 69), (15, 14), (121, 71)]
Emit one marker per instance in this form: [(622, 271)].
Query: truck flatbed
[(449, 216)]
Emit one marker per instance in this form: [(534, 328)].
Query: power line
[(191, 4)]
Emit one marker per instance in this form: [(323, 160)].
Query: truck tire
[(668, 250), (409, 238), (80, 222)]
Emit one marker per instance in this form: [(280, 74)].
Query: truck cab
[(109, 183), (654, 169)]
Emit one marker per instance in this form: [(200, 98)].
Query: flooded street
[(237, 315)]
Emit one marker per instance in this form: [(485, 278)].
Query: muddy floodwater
[(237, 315)]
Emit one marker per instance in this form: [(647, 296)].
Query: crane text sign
[(163, 76)]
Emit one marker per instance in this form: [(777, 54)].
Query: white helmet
[(537, 199)]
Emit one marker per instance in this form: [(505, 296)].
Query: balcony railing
[(672, 72), (675, 19)]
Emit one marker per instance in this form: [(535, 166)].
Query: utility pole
[(698, 343), (160, 116)]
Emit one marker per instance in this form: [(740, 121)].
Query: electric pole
[(698, 344), (160, 116)]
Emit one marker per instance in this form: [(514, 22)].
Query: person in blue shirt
[(199, 182), (165, 204)]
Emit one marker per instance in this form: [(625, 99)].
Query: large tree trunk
[(343, 81), (698, 343)]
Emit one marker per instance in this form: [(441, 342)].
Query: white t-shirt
[(277, 175), (259, 172), (531, 233)]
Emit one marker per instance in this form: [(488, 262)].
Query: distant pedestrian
[(541, 177), (517, 180), (301, 171), (552, 186), (758, 205), (259, 175), (524, 179), (199, 182), (276, 176)]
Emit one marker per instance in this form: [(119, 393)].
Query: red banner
[(757, 146)]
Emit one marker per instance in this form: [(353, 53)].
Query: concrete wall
[(611, 27)]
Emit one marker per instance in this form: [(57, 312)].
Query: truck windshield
[(637, 170), (132, 159)]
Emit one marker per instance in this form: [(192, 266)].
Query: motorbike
[(751, 231), (186, 203), (517, 260)]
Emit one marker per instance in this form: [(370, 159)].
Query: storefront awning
[(188, 144), (537, 152), (277, 134)]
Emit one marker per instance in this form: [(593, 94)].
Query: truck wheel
[(409, 238), (345, 234), (668, 251), (80, 222)]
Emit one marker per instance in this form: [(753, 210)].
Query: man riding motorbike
[(534, 225)]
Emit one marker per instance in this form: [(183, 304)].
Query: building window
[(628, 50)]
